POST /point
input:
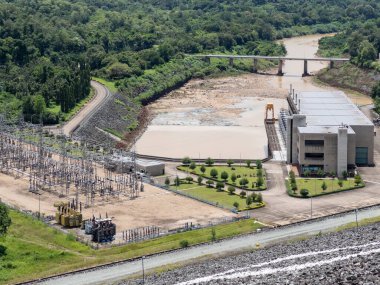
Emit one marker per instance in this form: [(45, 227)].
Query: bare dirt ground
[(154, 206)]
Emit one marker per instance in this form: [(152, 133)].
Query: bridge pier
[(254, 69), (231, 61), (305, 73), (331, 64), (207, 59), (280, 64)]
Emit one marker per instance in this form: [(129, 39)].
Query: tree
[(233, 177), (324, 186), (376, 90), (367, 53), (209, 183), (167, 181), (192, 165), (248, 201), (260, 181), (213, 234), (219, 186), (304, 192), (203, 169), (224, 175), (209, 161), (177, 181), (186, 161), (259, 173), (294, 187), (231, 190), (259, 164), (243, 182), (230, 162), (243, 194), (39, 105), (340, 183), (248, 162), (259, 198), (200, 179), (5, 220), (214, 173), (236, 205), (357, 179)]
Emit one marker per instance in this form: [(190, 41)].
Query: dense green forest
[(49, 48)]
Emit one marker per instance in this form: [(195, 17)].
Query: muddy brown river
[(224, 117)]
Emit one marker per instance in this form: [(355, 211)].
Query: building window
[(314, 142), (361, 156), (315, 156)]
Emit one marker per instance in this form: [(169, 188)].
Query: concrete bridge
[(280, 60)]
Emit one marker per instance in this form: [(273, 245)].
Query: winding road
[(119, 271), (101, 94)]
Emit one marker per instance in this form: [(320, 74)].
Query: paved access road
[(101, 94), (123, 270)]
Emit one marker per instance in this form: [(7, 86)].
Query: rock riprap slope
[(348, 257)]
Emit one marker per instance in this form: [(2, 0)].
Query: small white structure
[(149, 167)]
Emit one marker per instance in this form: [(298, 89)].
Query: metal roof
[(331, 108)]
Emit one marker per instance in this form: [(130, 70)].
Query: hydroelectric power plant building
[(325, 130)]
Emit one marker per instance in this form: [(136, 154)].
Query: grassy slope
[(35, 250), (109, 84), (210, 194), (239, 170)]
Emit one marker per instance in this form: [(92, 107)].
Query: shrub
[(307, 173), (231, 190), (192, 165), (214, 173), (243, 182), (320, 173), (167, 181), (189, 179), (259, 172), (230, 162), (184, 243), (236, 205), (213, 234), (219, 186), (177, 181), (209, 183), (294, 187), (248, 162), (259, 164), (200, 179), (304, 192), (233, 177), (203, 169), (357, 180), (3, 250), (324, 186), (248, 200), (340, 183), (224, 175), (243, 194), (344, 174)]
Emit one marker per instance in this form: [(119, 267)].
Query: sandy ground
[(154, 206)]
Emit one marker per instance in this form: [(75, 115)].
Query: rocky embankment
[(348, 257)]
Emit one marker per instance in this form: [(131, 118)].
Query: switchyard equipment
[(101, 230), (67, 215)]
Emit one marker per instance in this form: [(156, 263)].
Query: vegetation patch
[(247, 177), (218, 195), (31, 256)]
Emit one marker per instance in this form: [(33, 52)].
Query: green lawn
[(109, 84), (242, 171), (314, 186), (35, 250), (222, 198)]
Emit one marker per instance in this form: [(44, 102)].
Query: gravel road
[(123, 270)]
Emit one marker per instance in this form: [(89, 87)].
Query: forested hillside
[(48, 48)]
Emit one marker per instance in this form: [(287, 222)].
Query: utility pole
[(143, 270)]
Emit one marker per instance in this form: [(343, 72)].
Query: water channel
[(224, 117)]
